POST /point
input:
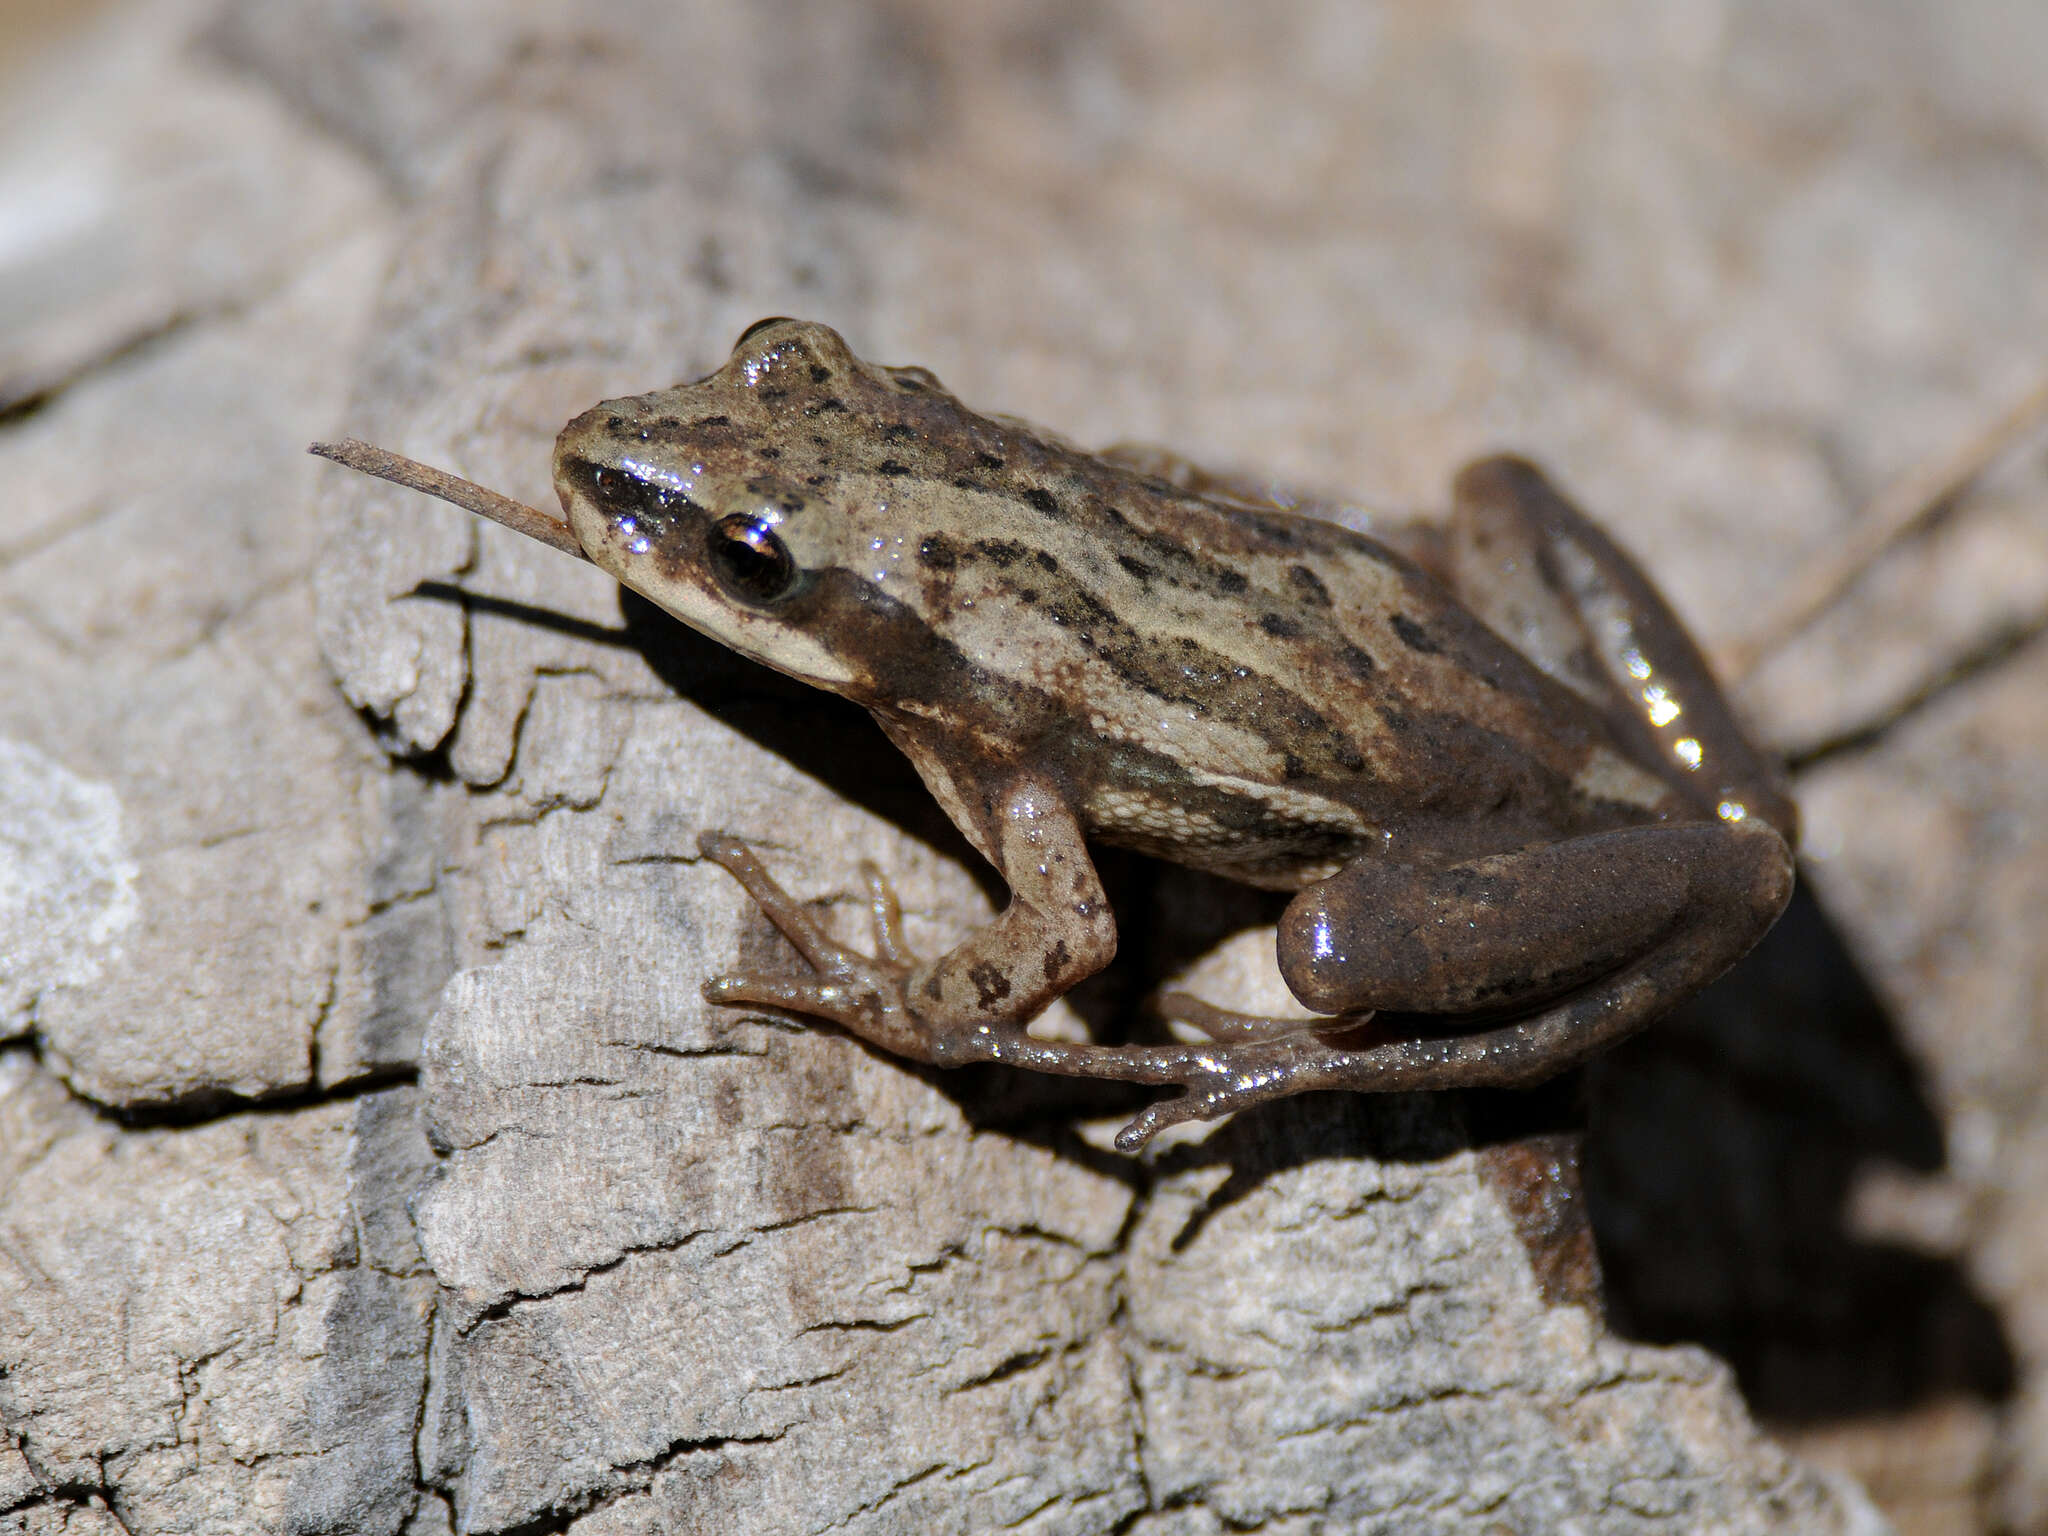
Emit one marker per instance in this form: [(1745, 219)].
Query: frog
[(1511, 808)]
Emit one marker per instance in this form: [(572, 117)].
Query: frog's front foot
[(973, 1002), (863, 994)]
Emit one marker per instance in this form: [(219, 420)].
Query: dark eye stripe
[(625, 494)]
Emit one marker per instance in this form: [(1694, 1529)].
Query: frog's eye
[(750, 561), (756, 329)]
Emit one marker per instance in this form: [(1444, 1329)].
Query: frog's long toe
[(1157, 1116), (1223, 1025), (824, 998)]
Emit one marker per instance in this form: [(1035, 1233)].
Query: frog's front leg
[(972, 1003)]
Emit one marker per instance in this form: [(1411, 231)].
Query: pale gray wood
[(616, 1262)]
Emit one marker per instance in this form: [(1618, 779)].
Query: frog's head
[(752, 503)]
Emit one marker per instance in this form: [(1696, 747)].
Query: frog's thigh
[(1513, 930), (1547, 578), (1057, 929)]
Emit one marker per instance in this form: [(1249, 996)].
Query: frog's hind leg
[(1510, 1056), (1547, 579), (1506, 932), (1579, 943)]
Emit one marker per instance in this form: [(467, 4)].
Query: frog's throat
[(471, 497)]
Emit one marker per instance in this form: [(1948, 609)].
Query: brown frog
[(1508, 793)]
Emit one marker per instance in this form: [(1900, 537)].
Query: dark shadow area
[(1722, 1144), (818, 733), (1713, 1155)]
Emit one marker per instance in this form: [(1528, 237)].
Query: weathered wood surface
[(371, 1162)]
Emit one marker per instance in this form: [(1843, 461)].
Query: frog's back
[(1232, 687), (1299, 673)]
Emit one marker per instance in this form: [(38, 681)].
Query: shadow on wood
[(1721, 1151)]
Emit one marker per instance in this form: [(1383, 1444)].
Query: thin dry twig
[(1904, 507), (466, 494)]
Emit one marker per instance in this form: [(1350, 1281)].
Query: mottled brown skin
[(1558, 837)]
